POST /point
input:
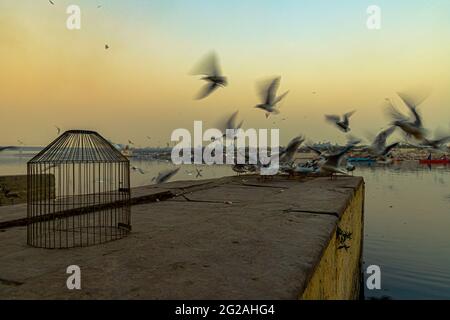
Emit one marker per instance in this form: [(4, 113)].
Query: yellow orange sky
[(140, 87)]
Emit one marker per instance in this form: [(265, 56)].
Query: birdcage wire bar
[(78, 192)]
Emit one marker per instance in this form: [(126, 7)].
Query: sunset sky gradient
[(141, 86)]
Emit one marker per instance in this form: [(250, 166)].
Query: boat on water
[(360, 159), (435, 161)]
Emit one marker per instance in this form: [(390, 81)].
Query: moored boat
[(435, 161), (360, 159)]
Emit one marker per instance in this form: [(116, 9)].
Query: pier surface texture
[(228, 238)]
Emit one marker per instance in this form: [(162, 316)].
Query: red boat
[(435, 161)]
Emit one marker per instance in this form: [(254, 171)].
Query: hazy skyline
[(141, 86)]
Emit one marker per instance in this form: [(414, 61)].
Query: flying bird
[(412, 126), (316, 151), (106, 47), (287, 155), (352, 140), (58, 130), (137, 169), (378, 146), (269, 97), (165, 175), (438, 142), (210, 70), (229, 126), (51, 2), (330, 163), (342, 123)]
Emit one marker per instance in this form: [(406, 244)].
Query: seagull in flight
[(269, 97), (378, 147), (438, 142), (342, 123), (287, 155), (330, 163), (412, 126), (58, 130), (51, 2), (210, 70), (229, 126), (165, 175), (137, 169)]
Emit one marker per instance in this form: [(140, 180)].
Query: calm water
[(407, 221), (407, 227)]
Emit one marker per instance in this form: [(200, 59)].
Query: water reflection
[(406, 230)]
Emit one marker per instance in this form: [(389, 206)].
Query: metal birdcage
[(78, 192)]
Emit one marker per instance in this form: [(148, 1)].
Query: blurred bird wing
[(314, 150), (268, 90), (334, 159), (272, 90), (231, 123), (380, 139), (348, 115), (352, 140), (412, 102), (208, 66), (418, 118), (390, 147), (443, 140), (394, 113), (215, 66), (207, 90), (278, 99), (166, 175), (296, 142), (332, 118), (292, 148)]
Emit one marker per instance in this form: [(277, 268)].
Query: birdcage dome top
[(79, 146)]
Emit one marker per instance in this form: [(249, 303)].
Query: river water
[(407, 221)]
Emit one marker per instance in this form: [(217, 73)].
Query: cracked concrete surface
[(235, 238)]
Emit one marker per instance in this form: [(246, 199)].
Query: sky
[(52, 76)]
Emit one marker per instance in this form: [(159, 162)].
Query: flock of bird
[(327, 162)]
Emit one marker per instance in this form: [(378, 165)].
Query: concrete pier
[(228, 238)]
